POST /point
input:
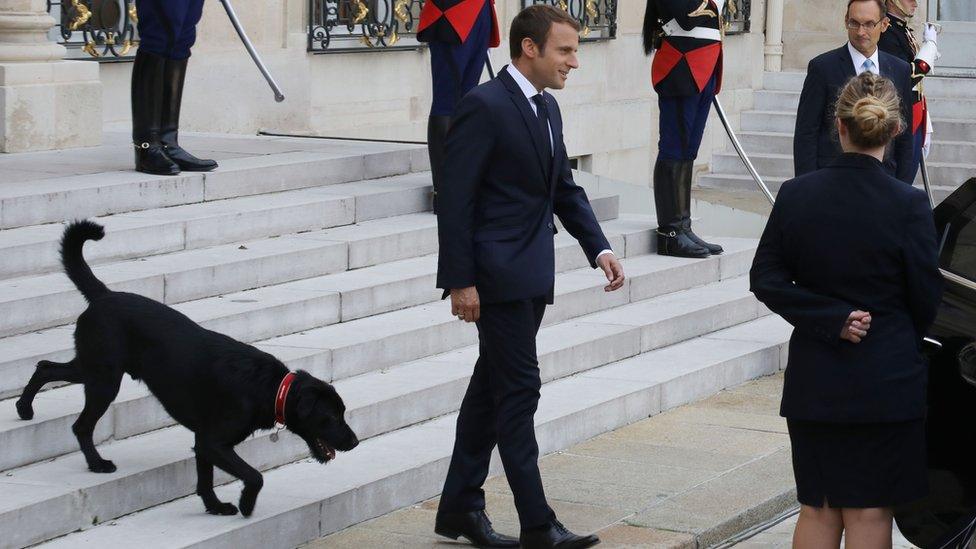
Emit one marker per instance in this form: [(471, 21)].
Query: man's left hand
[(614, 271)]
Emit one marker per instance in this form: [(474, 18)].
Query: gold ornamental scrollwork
[(82, 15), (361, 12), (126, 46), (563, 5), (400, 11), (591, 9), (89, 48), (133, 15)]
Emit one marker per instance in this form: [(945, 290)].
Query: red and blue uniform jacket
[(683, 65), (451, 21)]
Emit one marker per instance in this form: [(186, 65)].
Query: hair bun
[(870, 108)]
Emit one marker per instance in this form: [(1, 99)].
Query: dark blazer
[(495, 209), (815, 142), (839, 239)]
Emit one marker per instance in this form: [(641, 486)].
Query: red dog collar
[(282, 396)]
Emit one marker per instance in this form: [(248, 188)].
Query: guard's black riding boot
[(672, 200), (147, 105), (173, 79), (685, 175), (437, 126)]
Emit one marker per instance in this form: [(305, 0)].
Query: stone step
[(390, 283), (384, 400), (935, 86), (24, 203), (303, 501), (348, 349), (733, 182), (951, 152), (941, 107), (34, 303), (781, 165), (961, 129), (34, 250)]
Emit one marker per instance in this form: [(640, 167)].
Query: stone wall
[(811, 28), (608, 106)]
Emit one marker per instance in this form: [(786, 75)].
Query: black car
[(947, 517)]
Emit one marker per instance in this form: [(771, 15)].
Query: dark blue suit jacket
[(815, 141), (495, 208), (843, 238)]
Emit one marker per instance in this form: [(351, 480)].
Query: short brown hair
[(882, 4), (870, 109), (534, 23)]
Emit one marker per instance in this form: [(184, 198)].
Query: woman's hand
[(857, 326)]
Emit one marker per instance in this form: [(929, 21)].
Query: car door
[(945, 518)]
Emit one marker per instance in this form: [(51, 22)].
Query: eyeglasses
[(869, 26)]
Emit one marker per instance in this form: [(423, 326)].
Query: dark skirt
[(858, 465)]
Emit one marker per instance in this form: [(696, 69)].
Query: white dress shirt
[(859, 60), (530, 91)]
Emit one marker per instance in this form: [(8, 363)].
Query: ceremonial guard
[(459, 33), (900, 40), (167, 31), (686, 74)]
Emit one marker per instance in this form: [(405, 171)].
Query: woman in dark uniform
[(849, 258)]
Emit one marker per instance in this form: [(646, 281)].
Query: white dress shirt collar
[(523, 83), (859, 59)]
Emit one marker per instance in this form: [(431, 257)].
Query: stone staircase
[(323, 254), (767, 135)]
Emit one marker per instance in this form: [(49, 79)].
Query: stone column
[(45, 102), (774, 35)]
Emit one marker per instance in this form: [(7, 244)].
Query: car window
[(958, 254)]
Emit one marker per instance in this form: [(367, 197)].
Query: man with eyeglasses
[(815, 143)]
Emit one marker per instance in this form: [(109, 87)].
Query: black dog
[(219, 388)]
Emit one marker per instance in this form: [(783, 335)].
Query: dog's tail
[(74, 238)]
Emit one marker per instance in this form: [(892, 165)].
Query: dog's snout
[(352, 441)]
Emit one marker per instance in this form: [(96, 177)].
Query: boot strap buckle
[(671, 234), (143, 145)]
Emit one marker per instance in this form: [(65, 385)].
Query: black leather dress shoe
[(473, 526), (555, 536)]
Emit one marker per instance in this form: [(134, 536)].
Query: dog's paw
[(223, 509), (102, 466), (248, 500), (25, 410)]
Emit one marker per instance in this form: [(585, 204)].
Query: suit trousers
[(168, 28), (499, 408)]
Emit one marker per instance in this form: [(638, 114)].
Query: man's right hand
[(465, 304), (856, 327)]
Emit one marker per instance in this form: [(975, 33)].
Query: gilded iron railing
[(362, 25), (95, 29), (598, 18), (736, 16)]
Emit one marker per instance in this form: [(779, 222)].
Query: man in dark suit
[(815, 142), (508, 176)]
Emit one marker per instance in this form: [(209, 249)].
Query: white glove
[(929, 52), (930, 34)]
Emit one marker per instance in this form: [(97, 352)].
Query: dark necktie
[(542, 110)]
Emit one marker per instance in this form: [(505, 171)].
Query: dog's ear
[(306, 402)]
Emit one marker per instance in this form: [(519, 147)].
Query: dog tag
[(274, 436)]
